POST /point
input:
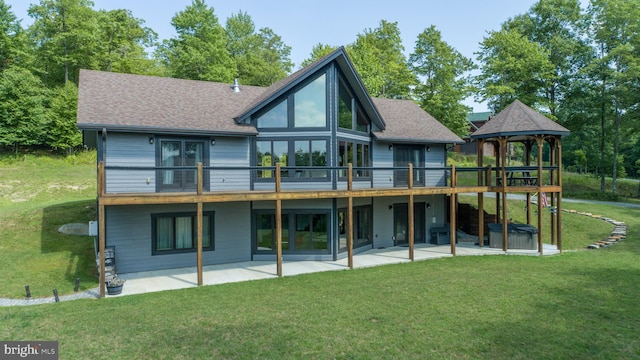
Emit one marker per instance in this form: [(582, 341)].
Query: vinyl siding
[(230, 152), (130, 150), (382, 157), (435, 157), (129, 230)]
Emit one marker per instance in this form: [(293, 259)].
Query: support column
[(552, 202), (540, 142), (452, 211), (528, 145), (410, 214), (559, 205), (199, 226), (101, 227), (503, 157), (350, 216), (278, 224), (480, 153)]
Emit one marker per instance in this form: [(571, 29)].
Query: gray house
[(166, 145)]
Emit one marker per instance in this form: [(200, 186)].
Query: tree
[(616, 35), (512, 67), (63, 32), (199, 52), (442, 88), (121, 43), (378, 56), (318, 52), (12, 39), (23, 109), (555, 25), (62, 131), (261, 58)]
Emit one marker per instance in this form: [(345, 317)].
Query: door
[(401, 223), (403, 155)]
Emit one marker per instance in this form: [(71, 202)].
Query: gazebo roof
[(519, 120)]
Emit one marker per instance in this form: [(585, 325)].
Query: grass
[(580, 304)]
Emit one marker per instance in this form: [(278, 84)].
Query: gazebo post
[(552, 202), (540, 141), (505, 225), (559, 205), (528, 144), (480, 152), (497, 149)]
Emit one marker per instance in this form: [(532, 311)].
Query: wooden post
[(410, 214), (528, 144), (559, 205), (278, 224), (479, 151), (505, 225), (540, 141), (452, 211), (552, 202), (101, 227), (199, 225), (350, 216)]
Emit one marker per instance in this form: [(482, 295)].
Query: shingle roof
[(144, 103), (407, 122), (519, 119)]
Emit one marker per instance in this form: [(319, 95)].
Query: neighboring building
[(153, 132), (476, 121)]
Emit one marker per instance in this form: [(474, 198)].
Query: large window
[(302, 231), (402, 157), (174, 233), (310, 104), (305, 108), (307, 156), (175, 154), (347, 107), (356, 154), (362, 227)]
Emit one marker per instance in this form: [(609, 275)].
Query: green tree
[(512, 67), (615, 26), (556, 26), (23, 109), (62, 131), (199, 52), (318, 52), (12, 39), (378, 56), (64, 34), (121, 44), (261, 58), (443, 87)]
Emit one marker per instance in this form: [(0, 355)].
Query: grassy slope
[(38, 194), (578, 305)]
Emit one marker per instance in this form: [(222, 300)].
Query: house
[(476, 120), (178, 153)]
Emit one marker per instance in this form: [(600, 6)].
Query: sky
[(303, 24)]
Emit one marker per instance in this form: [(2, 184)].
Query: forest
[(578, 66)]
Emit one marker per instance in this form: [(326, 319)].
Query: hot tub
[(519, 236)]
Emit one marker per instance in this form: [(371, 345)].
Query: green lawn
[(578, 305)]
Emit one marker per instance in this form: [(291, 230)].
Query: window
[(347, 107), (303, 153), (181, 153), (362, 227), (275, 118), (175, 233), (310, 104), (402, 157), (301, 231), (356, 154)]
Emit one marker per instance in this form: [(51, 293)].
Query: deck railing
[(153, 179)]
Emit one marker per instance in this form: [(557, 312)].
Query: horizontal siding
[(230, 152), (435, 157), (130, 150), (382, 157), (129, 230)]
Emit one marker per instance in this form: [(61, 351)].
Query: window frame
[(287, 174), (353, 145), (357, 112), (183, 187), (174, 216), (291, 216), (357, 218)]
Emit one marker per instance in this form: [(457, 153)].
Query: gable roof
[(163, 105), (407, 122), (519, 119), (340, 57)]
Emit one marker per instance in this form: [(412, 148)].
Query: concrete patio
[(151, 281)]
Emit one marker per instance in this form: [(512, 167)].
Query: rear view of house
[(310, 168)]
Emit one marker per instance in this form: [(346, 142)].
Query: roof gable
[(519, 119), (341, 59)]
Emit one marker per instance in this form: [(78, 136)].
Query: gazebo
[(518, 123)]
